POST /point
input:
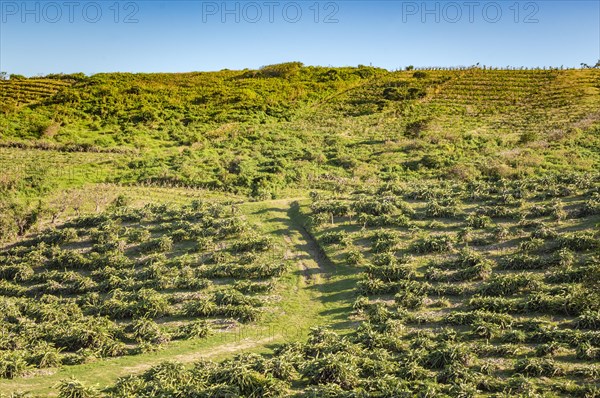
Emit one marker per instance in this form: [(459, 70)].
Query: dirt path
[(219, 351)]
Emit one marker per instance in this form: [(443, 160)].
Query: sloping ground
[(487, 283), (311, 294), (429, 257), (493, 99), (260, 134), (479, 289), (484, 101)]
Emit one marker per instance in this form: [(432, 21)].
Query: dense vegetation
[(125, 281), (285, 126), (478, 287), (466, 290), (457, 212)]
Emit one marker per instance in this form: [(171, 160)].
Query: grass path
[(313, 293)]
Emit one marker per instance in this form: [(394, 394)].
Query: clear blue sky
[(177, 36)]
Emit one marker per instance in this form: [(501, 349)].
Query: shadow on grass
[(337, 286), (266, 210), (334, 285)]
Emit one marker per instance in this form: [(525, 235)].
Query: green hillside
[(301, 231), (260, 132)]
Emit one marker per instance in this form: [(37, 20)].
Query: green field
[(301, 231)]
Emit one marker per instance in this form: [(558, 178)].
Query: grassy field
[(301, 231), (313, 293), (260, 133)]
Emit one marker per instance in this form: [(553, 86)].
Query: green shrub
[(73, 388), (194, 330), (587, 351), (339, 369), (579, 241), (335, 238), (506, 285), (534, 367), (436, 209), (157, 245), (588, 320), (448, 354), (433, 244), (12, 364), (478, 221), (253, 244), (146, 330), (354, 257)]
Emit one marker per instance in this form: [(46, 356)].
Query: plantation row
[(491, 285), (382, 361), (23, 92), (262, 133), (129, 280), (466, 289)]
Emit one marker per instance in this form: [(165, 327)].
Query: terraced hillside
[(260, 133), (21, 92), (301, 231)]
